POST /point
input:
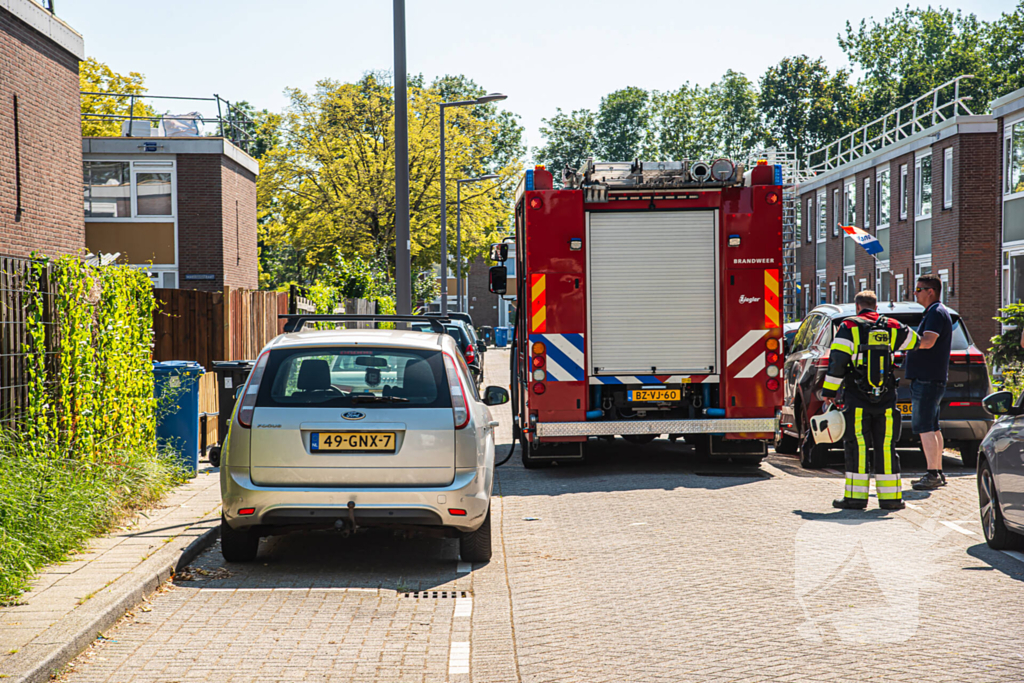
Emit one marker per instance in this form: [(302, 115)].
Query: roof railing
[(231, 122), (933, 107)]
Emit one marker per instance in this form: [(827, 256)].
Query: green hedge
[(84, 451)]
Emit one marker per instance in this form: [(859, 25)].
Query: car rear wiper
[(370, 398)]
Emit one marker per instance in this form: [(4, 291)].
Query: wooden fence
[(208, 326)]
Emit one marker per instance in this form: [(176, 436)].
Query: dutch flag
[(864, 239)]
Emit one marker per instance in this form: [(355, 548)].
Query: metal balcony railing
[(931, 108), (229, 122)]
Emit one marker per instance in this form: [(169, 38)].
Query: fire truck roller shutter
[(652, 292)]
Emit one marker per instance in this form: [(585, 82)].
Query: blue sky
[(543, 55)]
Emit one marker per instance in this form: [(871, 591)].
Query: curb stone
[(55, 647)]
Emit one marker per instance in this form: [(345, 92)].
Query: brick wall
[(200, 213), (238, 187), (216, 222), (977, 207), (44, 77)]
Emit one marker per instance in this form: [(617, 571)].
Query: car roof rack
[(296, 321)]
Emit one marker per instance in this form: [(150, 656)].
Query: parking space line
[(458, 658), (911, 505), (463, 607), (955, 527)]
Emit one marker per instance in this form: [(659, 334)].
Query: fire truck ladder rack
[(792, 175)]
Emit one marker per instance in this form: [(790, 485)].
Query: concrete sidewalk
[(72, 602)]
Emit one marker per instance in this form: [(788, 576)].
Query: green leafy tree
[(1005, 49), (624, 130), (328, 186), (569, 140), (261, 128), (804, 105), (915, 50), (96, 77), (731, 107)]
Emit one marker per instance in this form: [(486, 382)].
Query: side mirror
[(495, 396), (499, 252), (1001, 403), (498, 282)]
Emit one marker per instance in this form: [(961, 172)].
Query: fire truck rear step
[(619, 427)]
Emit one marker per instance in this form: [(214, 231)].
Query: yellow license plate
[(654, 395), (904, 408), (374, 442)]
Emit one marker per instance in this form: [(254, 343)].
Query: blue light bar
[(778, 174), (529, 179)]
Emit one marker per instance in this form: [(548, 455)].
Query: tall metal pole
[(403, 261), (444, 230), (458, 246)]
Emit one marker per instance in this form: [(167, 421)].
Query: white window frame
[(1007, 154), (878, 197), (903, 192), (947, 178), (882, 271), (944, 279), (849, 273), (822, 217), (836, 208), (919, 187), (901, 291), (850, 211), (811, 219), (156, 272), (866, 203), (832, 293), (820, 287), (798, 229)]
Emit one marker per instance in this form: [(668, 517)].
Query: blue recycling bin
[(501, 337), (178, 426)]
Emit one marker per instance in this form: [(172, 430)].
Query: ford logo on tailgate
[(353, 415)]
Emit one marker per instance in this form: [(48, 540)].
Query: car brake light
[(470, 354), (459, 408), (245, 512), (964, 404), (538, 361), (536, 202), (539, 388), (252, 388), (772, 384), (772, 197), (458, 512), (773, 358)]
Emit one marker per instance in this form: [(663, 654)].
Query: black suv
[(962, 418)]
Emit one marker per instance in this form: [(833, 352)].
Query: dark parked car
[(1001, 473), (788, 334), (963, 420), (468, 343)]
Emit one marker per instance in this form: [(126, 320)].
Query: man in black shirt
[(927, 370)]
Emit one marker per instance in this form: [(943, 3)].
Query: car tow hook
[(353, 527)]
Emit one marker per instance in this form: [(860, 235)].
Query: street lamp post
[(458, 233), (491, 97)]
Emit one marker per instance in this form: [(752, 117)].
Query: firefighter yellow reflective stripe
[(856, 340), (858, 426), (856, 491), (844, 345), (887, 444), (910, 342), (833, 382), (888, 486)]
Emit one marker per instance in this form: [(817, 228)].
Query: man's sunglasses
[(921, 289)]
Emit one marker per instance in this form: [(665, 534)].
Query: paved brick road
[(644, 565)]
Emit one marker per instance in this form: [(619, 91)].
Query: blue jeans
[(926, 396)]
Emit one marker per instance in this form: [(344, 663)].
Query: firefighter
[(861, 361)]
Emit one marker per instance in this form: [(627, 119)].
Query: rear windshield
[(960, 341), (348, 377)]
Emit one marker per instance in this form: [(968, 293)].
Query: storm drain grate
[(436, 595)]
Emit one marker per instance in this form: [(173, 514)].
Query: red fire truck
[(647, 304)]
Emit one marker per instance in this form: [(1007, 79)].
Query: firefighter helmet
[(829, 427)]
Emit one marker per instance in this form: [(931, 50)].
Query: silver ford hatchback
[(349, 429)]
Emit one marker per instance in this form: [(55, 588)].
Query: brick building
[(932, 200), (184, 208), (40, 132)]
